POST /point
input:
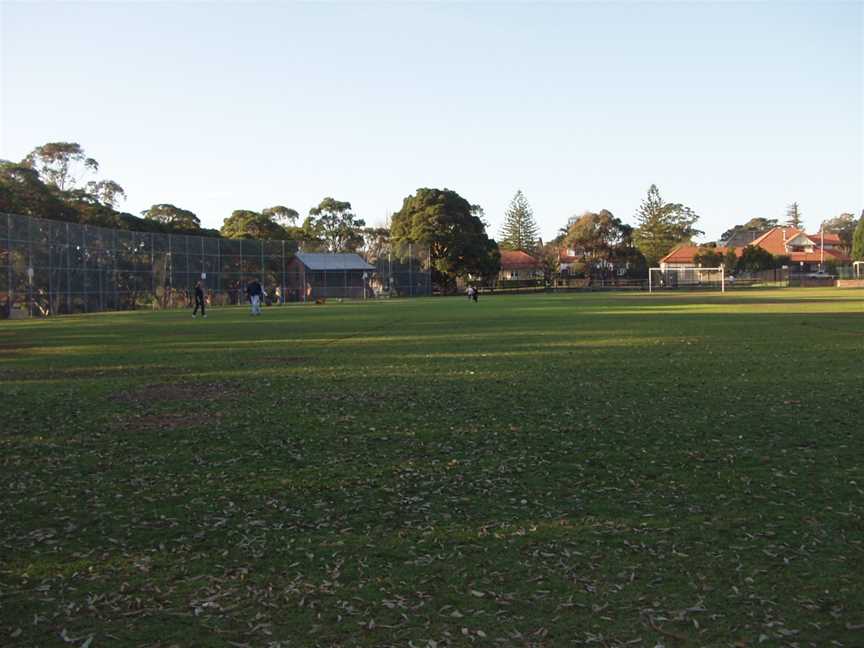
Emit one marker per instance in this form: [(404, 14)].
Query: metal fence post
[(10, 298), (86, 293), (68, 272), (153, 299), (114, 274)]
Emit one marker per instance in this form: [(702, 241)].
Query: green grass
[(548, 470)]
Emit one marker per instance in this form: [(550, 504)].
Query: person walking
[(255, 293), (199, 301)]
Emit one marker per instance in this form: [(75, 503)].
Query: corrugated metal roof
[(330, 261)]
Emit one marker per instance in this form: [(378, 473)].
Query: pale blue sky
[(734, 109)]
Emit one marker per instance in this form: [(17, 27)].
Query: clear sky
[(734, 109)]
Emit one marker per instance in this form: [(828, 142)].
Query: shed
[(319, 275)]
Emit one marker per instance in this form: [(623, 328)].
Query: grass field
[(549, 470)]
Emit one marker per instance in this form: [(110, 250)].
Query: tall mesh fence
[(52, 267)]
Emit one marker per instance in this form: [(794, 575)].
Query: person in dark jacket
[(199, 301), (255, 293)]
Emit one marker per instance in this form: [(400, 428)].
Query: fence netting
[(53, 267)]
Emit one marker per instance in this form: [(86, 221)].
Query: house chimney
[(784, 234)]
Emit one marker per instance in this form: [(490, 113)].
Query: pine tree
[(793, 216), (520, 229), (662, 226)]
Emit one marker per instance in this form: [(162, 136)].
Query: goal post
[(687, 279)]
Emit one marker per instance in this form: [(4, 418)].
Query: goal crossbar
[(689, 277)]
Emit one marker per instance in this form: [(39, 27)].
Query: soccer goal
[(687, 279)]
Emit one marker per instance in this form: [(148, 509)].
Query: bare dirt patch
[(272, 361), (188, 391), (168, 421), (13, 347)]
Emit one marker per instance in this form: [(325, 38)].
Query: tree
[(662, 226), (793, 216), (246, 224), (708, 257), (61, 164), (601, 238), (23, 192), (454, 231), (755, 226), (754, 259), (339, 228), (106, 192), (549, 256), (730, 260), (281, 214), (858, 240), (376, 241), (175, 218), (844, 227), (520, 229)]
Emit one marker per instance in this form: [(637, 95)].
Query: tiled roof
[(830, 238), (816, 256), (516, 259), (772, 241), (327, 261), (685, 253)]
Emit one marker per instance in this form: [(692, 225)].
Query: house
[(516, 264), (683, 256), (316, 275), (804, 251), (567, 260)]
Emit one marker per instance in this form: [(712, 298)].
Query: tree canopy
[(755, 226), (62, 164), (519, 231), (48, 183), (281, 214), (23, 192), (793, 216), (843, 226), (858, 240), (662, 226), (334, 223), (603, 241), (453, 230), (247, 224), (708, 257), (754, 258), (178, 219)]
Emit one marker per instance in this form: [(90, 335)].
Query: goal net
[(687, 279)]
